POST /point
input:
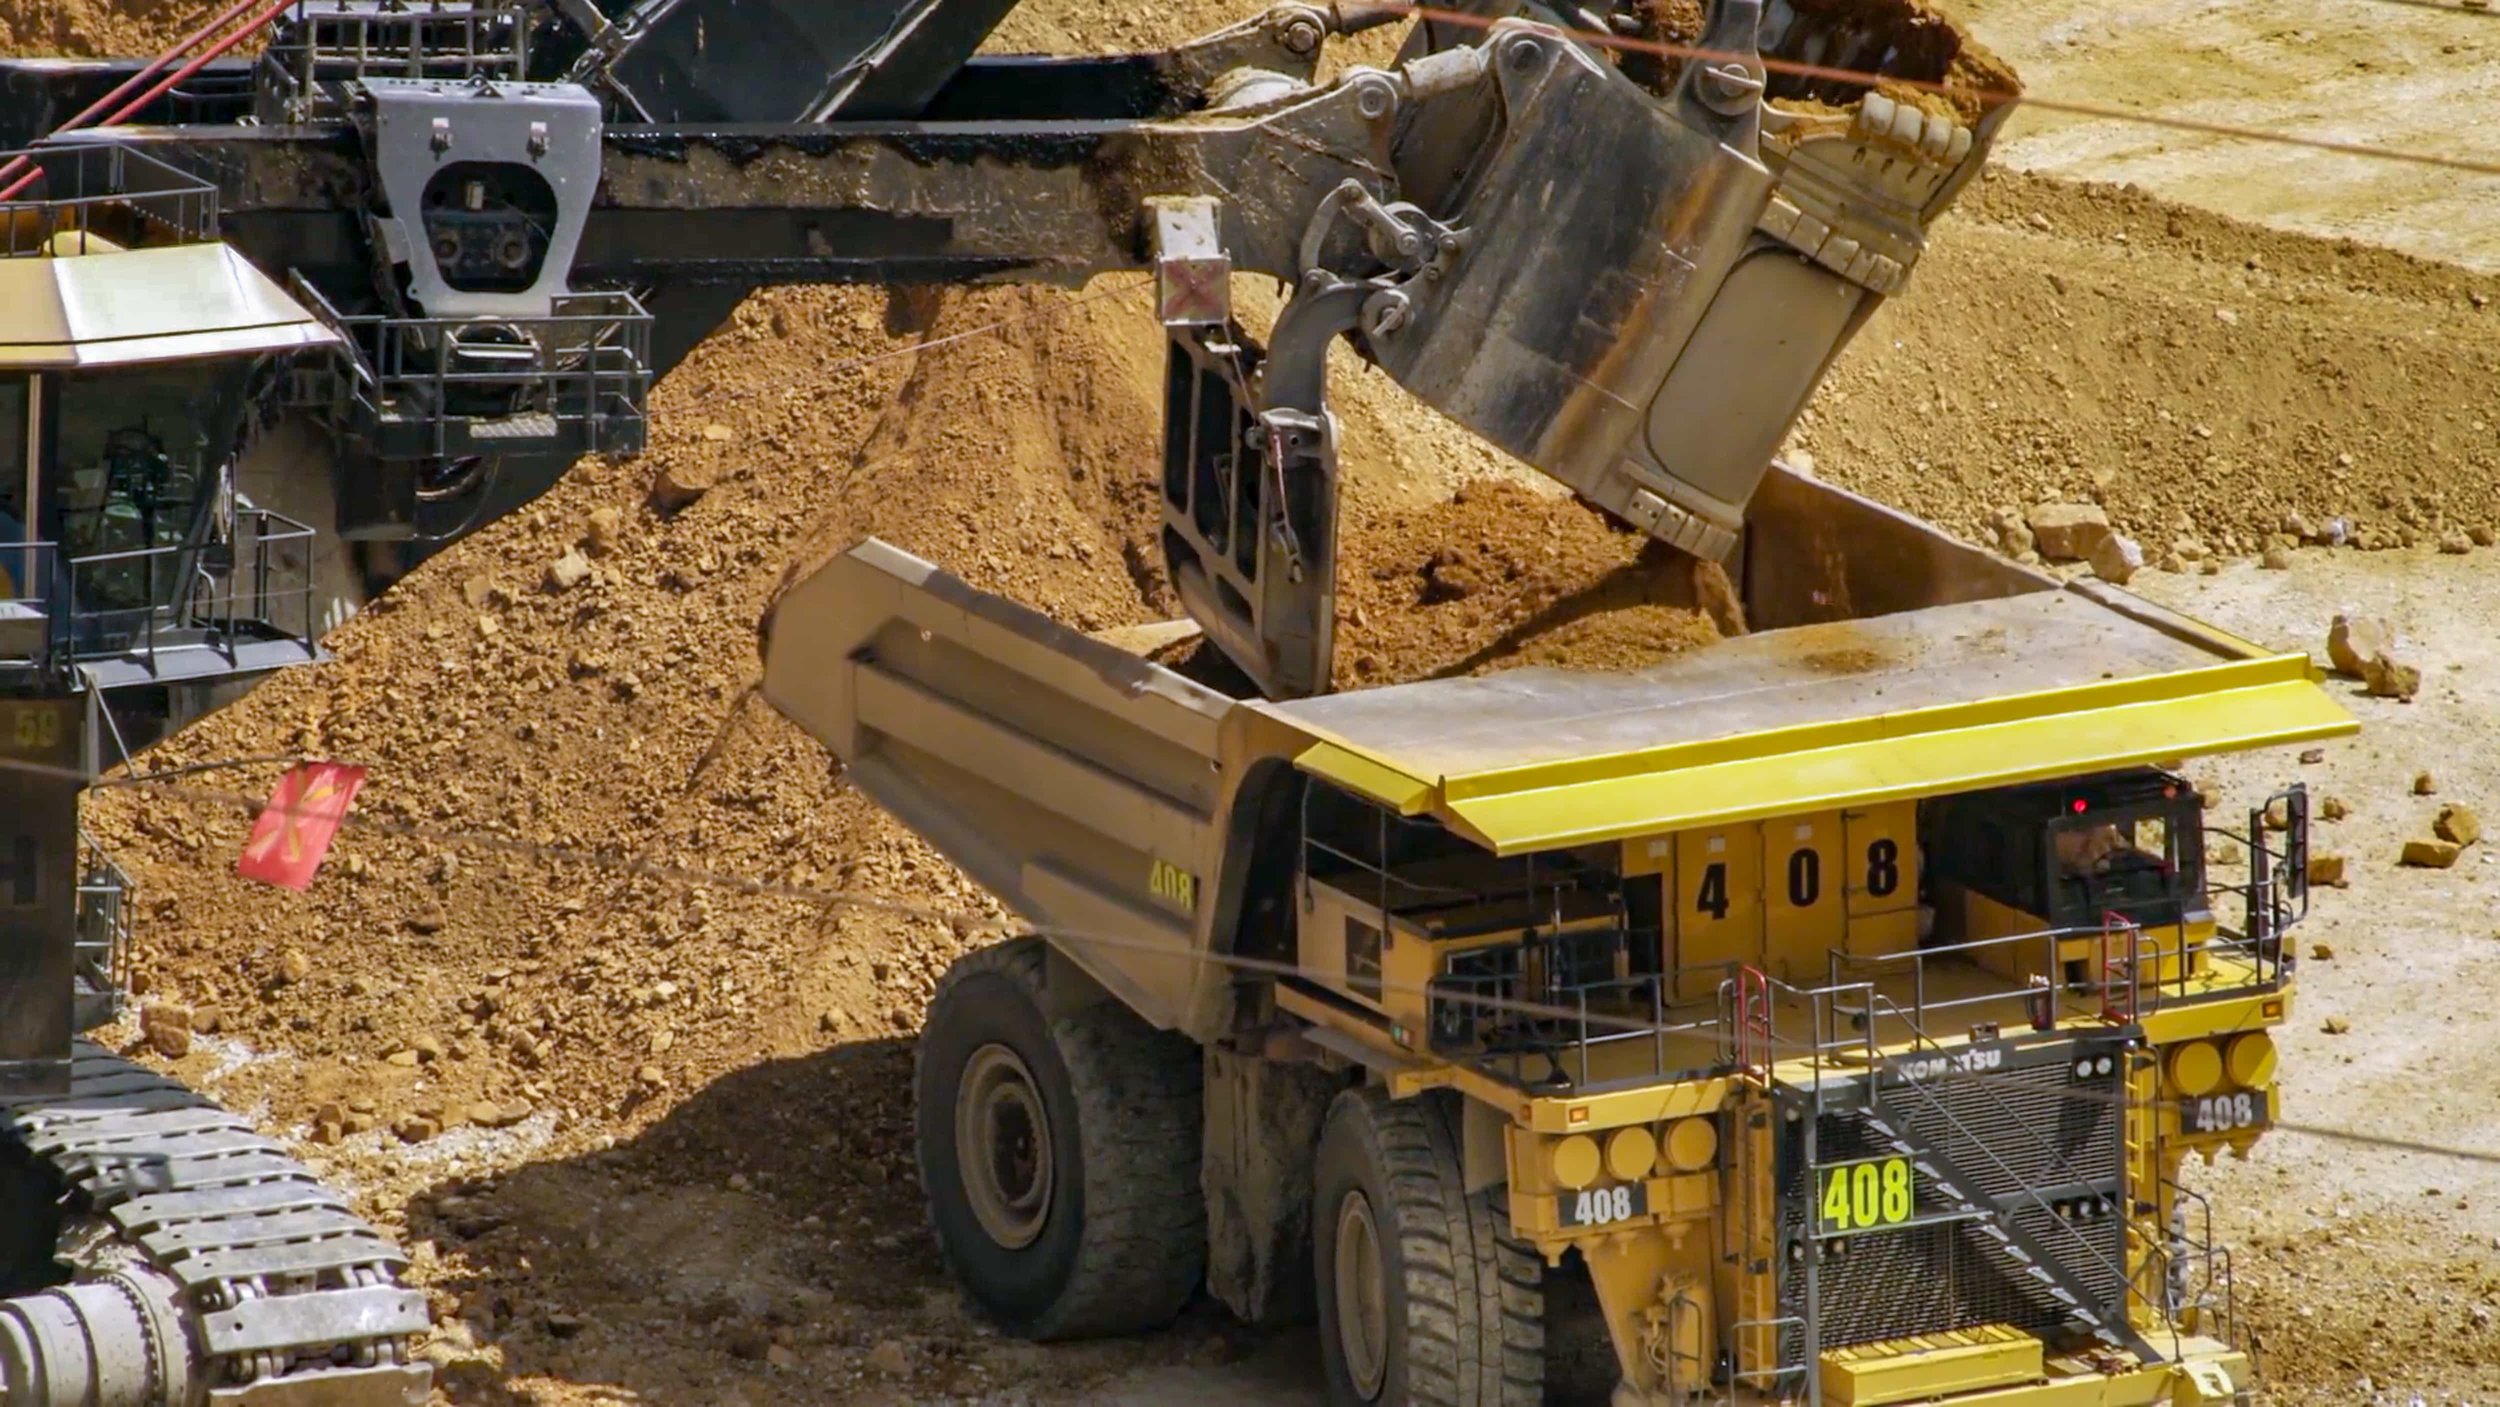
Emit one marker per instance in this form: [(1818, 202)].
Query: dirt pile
[(459, 950), (2198, 377), (613, 716), (575, 681), (88, 29), (505, 929), (1502, 575), (1933, 61)]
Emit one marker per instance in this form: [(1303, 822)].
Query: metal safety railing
[(575, 380), (103, 923), (78, 197), (2110, 972), (2275, 895), (1559, 999), (1754, 1045), (62, 610), (2126, 968), (1579, 1003), (1548, 1012), (1753, 1023), (2075, 1237), (2053, 1246), (1536, 1011), (2198, 1289), (319, 45)]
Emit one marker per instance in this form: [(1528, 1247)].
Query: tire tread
[(1475, 1325), (1139, 1099)]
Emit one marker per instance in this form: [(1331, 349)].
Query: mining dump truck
[(1839, 1001)]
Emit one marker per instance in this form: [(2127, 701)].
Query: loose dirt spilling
[(1500, 575), (1934, 62), (707, 1195)]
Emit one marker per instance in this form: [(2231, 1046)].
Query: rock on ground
[(2351, 640), (2430, 854), (2457, 824), (2116, 559), (2068, 532), (2386, 677)]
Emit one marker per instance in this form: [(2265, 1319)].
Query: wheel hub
[(1002, 1147), (1362, 1296)]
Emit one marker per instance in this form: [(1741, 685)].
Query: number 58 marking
[(36, 729)]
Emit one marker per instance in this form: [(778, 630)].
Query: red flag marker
[(294, 831)]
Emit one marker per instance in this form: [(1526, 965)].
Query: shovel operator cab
[(136, 355), (154, 1248), (1838, 1002)]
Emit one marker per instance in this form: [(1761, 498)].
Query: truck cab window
[(2072, 854), (2131, 864)]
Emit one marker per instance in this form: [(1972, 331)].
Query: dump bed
[(1120, 804)]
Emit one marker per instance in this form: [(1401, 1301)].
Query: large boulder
[(2352, 639), (2068, 532), (2117, 559)]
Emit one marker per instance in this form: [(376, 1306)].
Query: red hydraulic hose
[(200, 61)]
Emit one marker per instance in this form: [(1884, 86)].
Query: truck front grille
[(2031, 1135)]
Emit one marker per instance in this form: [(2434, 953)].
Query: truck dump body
[(1845, 995), (1093, 790), (1982, 693)]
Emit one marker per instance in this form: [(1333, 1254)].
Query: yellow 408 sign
[(1869, 1194)]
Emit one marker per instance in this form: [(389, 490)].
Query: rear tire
[(1424, 1299), (1059, 1156)]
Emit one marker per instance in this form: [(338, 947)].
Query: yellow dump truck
[(1838, 1001)]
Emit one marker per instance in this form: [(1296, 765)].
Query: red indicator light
[(2080, 805)]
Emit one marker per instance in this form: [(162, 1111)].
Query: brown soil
[(99, 28), (1501, 575), (1935, 63), (2198, 376), (1909, 39), (711, 1201)]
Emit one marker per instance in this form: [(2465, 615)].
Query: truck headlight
[(2250, 1059), (2195, 1068)]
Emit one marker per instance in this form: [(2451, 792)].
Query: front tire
[(1424, 1299), (1059, 1155)]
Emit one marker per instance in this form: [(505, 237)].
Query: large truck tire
[(1059, 1156), (1424, 1298)]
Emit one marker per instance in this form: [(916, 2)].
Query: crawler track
[(185, 1219)]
